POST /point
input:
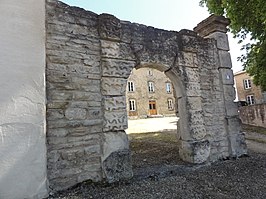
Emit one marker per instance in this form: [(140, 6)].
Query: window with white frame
[(130, 86), (132, 105), (250, 99), (168, 87), (170, 104), (247, 83), (151, 87)]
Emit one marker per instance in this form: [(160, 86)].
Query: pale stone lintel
[(158, 66)]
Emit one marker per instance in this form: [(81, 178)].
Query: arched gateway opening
[(152, 121), (89, 59)]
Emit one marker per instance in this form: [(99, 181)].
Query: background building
[(247, 91), (149, 93)]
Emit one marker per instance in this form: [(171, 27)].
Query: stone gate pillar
[(116, 65), (216, 27), (194, 147)]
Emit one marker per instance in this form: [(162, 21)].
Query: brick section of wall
[(253, 115), (74, 100)]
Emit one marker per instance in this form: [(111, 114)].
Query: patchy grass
[(169, 137), (256, 129), (257, 140), (155, 148)]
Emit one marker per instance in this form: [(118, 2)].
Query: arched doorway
[(89, 59), (152, 121)]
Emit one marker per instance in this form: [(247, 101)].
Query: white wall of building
[(22, 99)]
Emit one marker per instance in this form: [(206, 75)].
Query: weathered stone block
[(117, 68), (222, 40), (114, 141), (194, 103), (84, 130), (60, 95), (195, 152), (157, 66), (109, 27), (225, 59), (115, 103), (82, 69), (57, 105), (55, 114), (60, 132), (63, 123), (117, 166), (113, 86), (198, 132), (116, 156), (111, 49), (231, 108), (227, 76), (238, 145), (190, 75), (87, 96), (188, 59), (189, 43), (115, 121), (193, 89), (229, 92), (234, 125), (75, 113)]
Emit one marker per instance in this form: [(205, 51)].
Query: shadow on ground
[(160, 173)]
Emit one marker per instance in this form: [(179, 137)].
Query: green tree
[(248, 17)]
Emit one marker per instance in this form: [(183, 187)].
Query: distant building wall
[(163, 93), (253, 115), (22, 100), (246, 88)]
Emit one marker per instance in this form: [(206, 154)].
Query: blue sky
[(164, 14)]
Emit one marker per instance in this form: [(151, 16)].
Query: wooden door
[(152, 107)]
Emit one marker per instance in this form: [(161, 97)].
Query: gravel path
[(242, 178), (159, 173)]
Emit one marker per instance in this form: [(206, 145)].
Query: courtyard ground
[(160, 173)]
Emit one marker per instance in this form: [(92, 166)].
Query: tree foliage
[(248, 17)]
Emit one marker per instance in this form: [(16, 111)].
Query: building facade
[(149, 94), (247, 90)]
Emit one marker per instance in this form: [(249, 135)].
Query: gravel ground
[(160, 173)]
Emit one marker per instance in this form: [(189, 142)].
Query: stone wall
[(74, 99), (253, 115), (89, 59)]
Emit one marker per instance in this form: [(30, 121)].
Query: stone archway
[(90, 57)]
